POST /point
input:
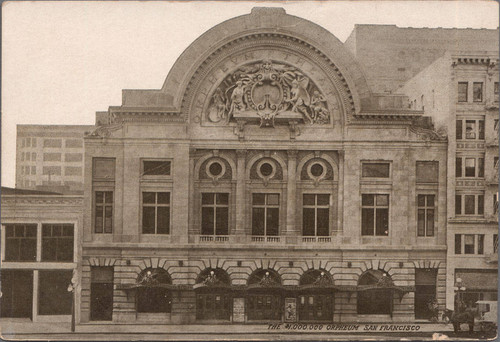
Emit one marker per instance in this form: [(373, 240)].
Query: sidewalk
[(23, 328)]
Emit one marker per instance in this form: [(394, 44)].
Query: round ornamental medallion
[(215, 169)]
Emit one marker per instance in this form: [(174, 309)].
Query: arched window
[(264, 300), (213, 301), (153, 295), (373, 298), (315, 303)]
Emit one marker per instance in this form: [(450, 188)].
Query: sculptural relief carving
[(268, 90)]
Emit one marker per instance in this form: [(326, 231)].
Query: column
[(291, 197), (240, 193)]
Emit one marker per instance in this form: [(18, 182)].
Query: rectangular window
[(425, 226), (427, 172), (459, 130), (480, 167), (33, 156), (470, 167), (104, 169), (458, 167), (495, 125), (52, 157), (57, 242), (480, 244), (480, 204), (265, 214), (51, 170), (458, 244), (495, 204), (33, 142), (156, 212), (477, 91), (316, 215), (495, 92), (375, 215), (462, 91), (52, 143), (495, 163), (376, 170), (495, 243), (469, 244), (470, 129), (481, 129), (20, 242), (214, 214), (458, 204), (156, 168), (470, 205), (54, 297), (103, 211), (33, 170)]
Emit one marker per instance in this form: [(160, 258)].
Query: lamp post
[(72, 288), (459, 288)]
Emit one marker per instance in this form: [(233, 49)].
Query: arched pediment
[(307, 59)]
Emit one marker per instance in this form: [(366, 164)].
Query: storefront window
[(20, 242), (54, 297), (57, 242)]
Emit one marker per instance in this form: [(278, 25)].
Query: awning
[(475, 281), (131, 287)]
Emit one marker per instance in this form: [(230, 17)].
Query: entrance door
[(213, 306), (425, 291), (264, 307), (101, 294), (314, 307), (17, 294)]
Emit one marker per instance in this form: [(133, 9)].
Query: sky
[(64, 60)]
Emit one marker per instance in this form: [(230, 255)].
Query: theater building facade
[(264, 182)]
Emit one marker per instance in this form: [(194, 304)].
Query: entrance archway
[(154, 296), (264, 296), (374, 298), (315, 300), (213, 300)]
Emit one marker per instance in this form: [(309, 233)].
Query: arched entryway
[(264, 296), (315, 300), (213, 298), (154, 294), (375, 293)]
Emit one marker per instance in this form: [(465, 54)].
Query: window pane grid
[(316, 210), (156, 212), (215, 213), (375, 215), (103, 212), (265, 214), (57, 242), (20, 242), (425, 219)]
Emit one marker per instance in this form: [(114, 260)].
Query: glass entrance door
[(17, 294), (315, 307), (264, 307)]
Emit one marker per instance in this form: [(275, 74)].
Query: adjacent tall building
[(281, 175), (460, 91), (50, 157)]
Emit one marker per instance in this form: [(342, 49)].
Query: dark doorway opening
[(101, 294), (425, 291)]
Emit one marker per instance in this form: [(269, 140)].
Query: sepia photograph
[(249, 170)]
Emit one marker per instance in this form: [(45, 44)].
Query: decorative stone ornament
[(266, 90), (215, 169), (266, 170), (317, 171)]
